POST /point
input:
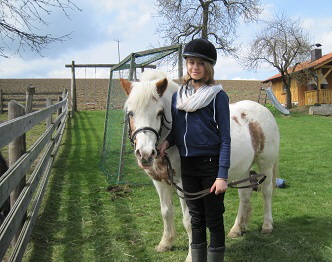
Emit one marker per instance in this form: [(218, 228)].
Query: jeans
[(199, 173)]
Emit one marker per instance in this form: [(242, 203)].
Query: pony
[(255, 140)]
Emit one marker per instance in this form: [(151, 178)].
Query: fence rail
[(36, 98), (21, 218)]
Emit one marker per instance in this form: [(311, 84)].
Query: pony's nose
[(146, 155)]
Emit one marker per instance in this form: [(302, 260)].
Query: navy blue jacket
[(205, 132)]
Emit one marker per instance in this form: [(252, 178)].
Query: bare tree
[(215, 20), (19, 19), (282, 43)]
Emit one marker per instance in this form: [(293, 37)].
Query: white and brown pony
[(255, 139)]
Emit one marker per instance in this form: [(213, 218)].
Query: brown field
[(92, 93)]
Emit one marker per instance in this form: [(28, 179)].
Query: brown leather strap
[(205, 192)]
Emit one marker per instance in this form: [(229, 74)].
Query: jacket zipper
[(185, 134)]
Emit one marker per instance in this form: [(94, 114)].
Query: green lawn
[(81, 221)]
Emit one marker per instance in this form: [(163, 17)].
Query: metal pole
[(125, 126)]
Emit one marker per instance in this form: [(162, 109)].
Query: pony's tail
[(275, 172)]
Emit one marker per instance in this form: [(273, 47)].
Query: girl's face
[(195, 67)]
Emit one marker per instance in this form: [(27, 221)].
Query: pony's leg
[(267, 191), (186, 222), (167, 212), (243, 215)]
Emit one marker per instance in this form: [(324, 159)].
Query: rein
[(205, 192)]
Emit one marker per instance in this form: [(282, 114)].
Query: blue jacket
[(205, 132)]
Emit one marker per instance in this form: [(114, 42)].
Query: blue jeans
[(199, 173)]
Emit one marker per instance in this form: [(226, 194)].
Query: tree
[(282, 43), (19, 19), (215, 20)]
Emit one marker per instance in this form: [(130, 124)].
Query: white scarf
[(189, 100)]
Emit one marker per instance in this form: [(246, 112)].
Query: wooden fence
[(33, 100), (16, 229), (323, 96)]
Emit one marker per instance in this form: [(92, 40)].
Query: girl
[(201, 131)]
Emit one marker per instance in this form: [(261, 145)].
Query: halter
[(133, 135)]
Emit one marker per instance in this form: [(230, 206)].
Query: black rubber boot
[(216, 254), (199, 252)]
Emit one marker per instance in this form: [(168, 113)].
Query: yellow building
[(311, 83)]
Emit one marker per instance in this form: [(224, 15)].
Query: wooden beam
[(91, 65), (328, 72), (103, 65)]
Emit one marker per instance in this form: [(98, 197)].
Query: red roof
[(305, 65)]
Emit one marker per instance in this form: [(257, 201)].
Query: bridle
[(132, 135)]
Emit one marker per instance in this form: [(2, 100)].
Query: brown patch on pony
[(126, 85), (243, 115), (235, 119), (161, 86), (257, 137), (159, 170)]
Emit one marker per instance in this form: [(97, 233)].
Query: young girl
[(201, 131)]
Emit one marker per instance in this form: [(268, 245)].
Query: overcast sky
[(97, 29)]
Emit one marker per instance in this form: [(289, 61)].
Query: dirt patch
[(119, 191)]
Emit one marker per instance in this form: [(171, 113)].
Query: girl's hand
[(162, 147), (219, 186)]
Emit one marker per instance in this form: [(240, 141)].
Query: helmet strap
[(194, 80)]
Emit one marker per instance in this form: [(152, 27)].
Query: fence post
[(73, 89), (15, 150), (48, 119), (29, 97), (60, 109), (1, 102)]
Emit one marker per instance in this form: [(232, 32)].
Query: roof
[(306, 65)]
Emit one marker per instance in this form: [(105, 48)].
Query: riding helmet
[(201, 48)]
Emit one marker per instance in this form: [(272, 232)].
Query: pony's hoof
[(161, 249), (234, 234), (266, 230)]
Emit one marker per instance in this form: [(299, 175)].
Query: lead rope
[(205, 192)]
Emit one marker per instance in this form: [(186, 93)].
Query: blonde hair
[(209, 74)]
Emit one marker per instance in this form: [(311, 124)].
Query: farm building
[(311, 82)]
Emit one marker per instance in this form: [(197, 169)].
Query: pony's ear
[(126, 85), (161, 86)]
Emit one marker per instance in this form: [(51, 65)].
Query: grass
[(83, 220)]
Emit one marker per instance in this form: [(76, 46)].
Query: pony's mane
[(141, 94), (144, 91)]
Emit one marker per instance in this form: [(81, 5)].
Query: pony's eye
[(160, 113), (130, 113)]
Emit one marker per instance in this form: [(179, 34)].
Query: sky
[(108, 31)]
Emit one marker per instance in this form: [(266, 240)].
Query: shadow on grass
[(296, 239), (78, 222)]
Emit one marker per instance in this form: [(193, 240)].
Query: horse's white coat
[(255, 139)]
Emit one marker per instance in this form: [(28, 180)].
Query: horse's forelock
[(141, 95)]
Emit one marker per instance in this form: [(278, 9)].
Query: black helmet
[(201, 48)]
